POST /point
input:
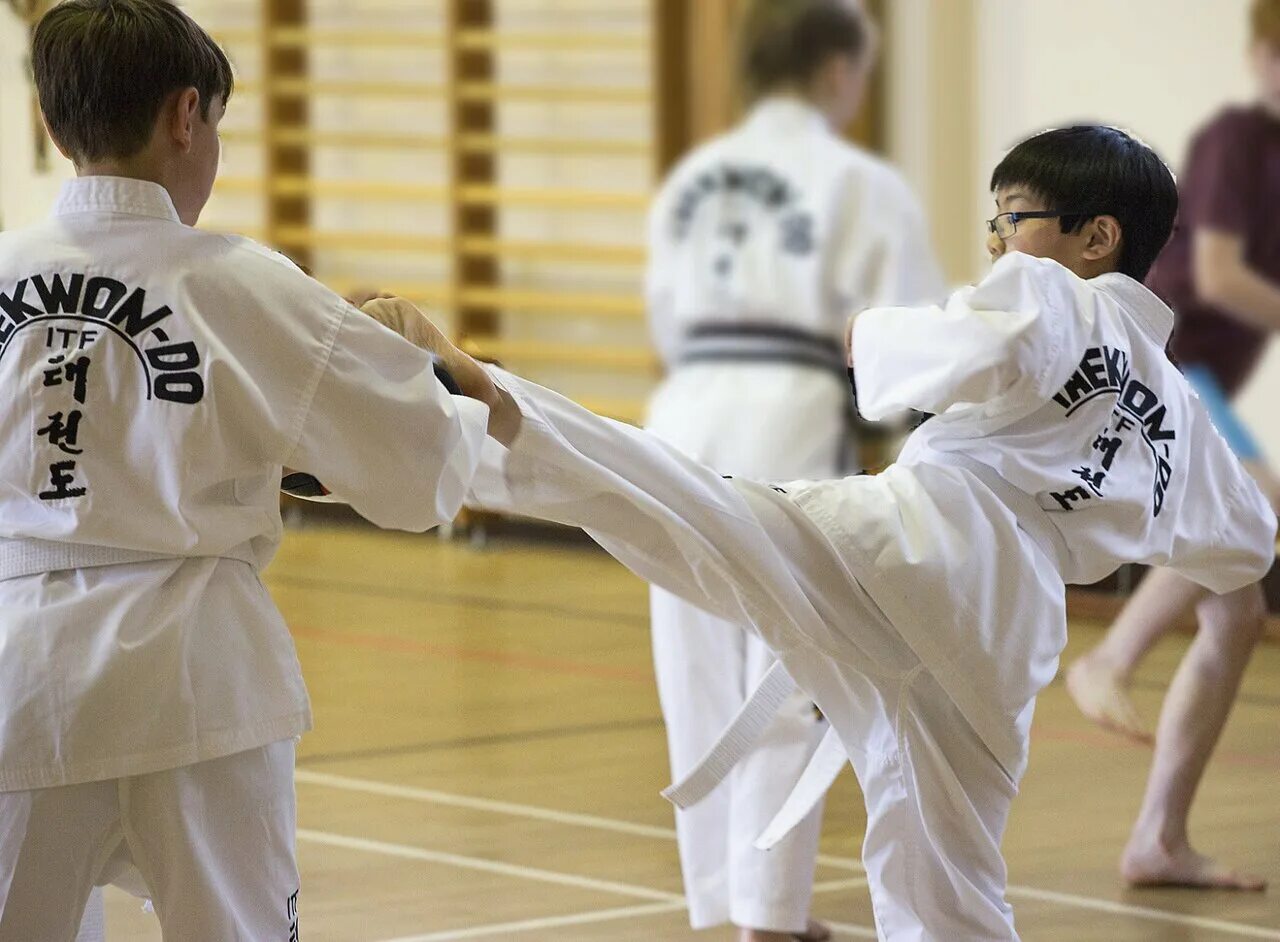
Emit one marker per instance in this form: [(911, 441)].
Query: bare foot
[(1100, 694), (1153, 865), (813, 932)]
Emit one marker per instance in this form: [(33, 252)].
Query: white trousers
[(706, 667), (93, 925), (214, 843), (937, 802)]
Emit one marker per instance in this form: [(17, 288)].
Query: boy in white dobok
[(924, 608), (760, 243), (157, 378)]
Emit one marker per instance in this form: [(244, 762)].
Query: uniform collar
[(1152, 314), (115, 195), (786, 113)]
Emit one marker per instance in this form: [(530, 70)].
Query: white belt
[(740, 737), (773, 690), (736, 741), (29, 557), (819, 775)]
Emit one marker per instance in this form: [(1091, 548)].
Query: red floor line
[(535, 662), (1098, 739)]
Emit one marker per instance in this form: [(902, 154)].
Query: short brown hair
[(103, 69), (785, 42), (1264, 20)]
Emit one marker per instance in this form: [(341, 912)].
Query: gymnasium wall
[(966, 78), (1156, 67), (1160, 67), (25, 191)]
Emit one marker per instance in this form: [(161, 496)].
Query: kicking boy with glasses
[(923, 608)]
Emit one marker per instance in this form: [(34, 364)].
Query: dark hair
[(1099, 171), (783, 42), (104, 68)]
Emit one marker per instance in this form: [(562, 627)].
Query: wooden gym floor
[(488, 754)]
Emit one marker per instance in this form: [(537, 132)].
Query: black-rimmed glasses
[(1006, 224)]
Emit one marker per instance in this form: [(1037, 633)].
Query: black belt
[(749, 342)]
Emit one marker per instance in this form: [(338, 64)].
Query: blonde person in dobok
[(760, 243), (923, 609), (157, 380)]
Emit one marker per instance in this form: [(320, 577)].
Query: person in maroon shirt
[(1221, 275)]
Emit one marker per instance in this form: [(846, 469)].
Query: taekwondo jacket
[(158, 378), (1067, 444)]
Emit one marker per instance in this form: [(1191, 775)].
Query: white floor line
[(1145, 912), (365, 786), (533, 812), (505, 929), (487, 866), (623, 912), (410, 793), (835, 886)]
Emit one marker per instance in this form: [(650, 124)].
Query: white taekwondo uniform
[(924, 608), (158, 379), (761, 243)]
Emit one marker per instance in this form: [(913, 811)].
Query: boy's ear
[(181, 113), (1105, 236)]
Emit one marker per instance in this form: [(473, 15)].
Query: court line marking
[(549, 922), (1146, 912), (612, 915), (547, 664), (462, 599), (533, 812), (407, 852), (514, 737), (429, 796)]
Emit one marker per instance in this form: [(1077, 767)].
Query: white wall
[(1159, 68), (967, 79), (25, 193), (1156, 67)]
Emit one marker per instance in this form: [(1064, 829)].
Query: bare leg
[(1098, 680), (1195, 710)]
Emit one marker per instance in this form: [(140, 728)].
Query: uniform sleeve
[(1227, 530), (1009, 329), (742, 551), (382, 433), (1216, 186)]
